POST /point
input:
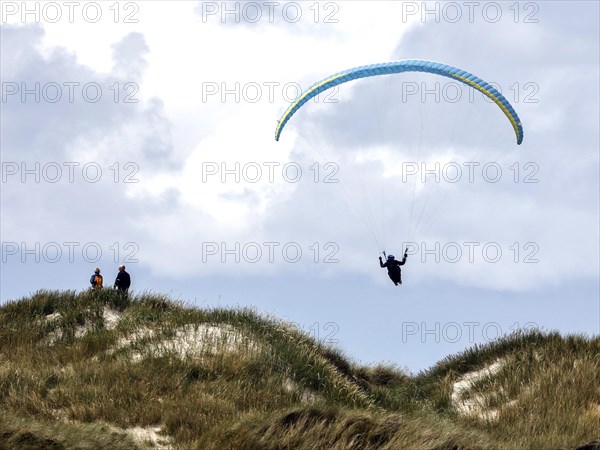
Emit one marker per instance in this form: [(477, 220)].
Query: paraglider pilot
[(393, 267)]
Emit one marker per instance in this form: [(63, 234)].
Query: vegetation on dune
[(97, 369)]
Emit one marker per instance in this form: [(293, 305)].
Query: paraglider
[(398, 67), (393, 267)]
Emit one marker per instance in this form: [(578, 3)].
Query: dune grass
[(84, 368), (28, 433)]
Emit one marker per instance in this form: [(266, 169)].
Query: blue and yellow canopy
[(410, 65)]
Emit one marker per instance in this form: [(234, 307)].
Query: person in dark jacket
[(393, 267), (123, 280), (96, 279)]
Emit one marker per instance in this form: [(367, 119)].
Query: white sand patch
[(149, 437), (475, 404), (134, 337), (56, 335), (111, 317), (307, 396), (53, 316), (194, 340)]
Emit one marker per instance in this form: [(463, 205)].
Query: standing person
[(123, 280), (96, 279)]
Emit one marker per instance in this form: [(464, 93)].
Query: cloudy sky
[(143, 133)]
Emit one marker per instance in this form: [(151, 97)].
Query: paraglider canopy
[(410, 65)]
